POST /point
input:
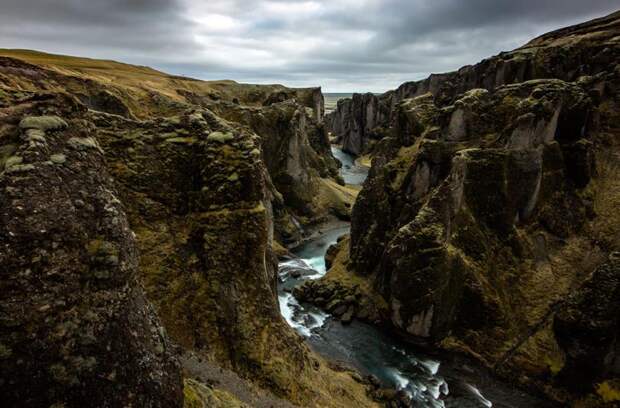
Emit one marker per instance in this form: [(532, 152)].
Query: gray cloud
[(345, 45)]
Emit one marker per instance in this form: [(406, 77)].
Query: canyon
[(170, 242)]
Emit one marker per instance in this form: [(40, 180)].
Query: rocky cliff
[(103, 206), (289, 121), (564, 54), (75, 324), (488, 223)]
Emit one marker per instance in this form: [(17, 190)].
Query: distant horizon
[(345, 47)]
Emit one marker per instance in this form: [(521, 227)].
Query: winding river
[(370, 351)]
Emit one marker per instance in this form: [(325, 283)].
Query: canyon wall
[(487, 213), (565, 54), (75, 323), (488, 224), (152, 198)]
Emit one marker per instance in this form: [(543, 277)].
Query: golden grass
[(136, 83), (332, 195), (339, 273)]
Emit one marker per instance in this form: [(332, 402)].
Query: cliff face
[(182, 201), (358, 121), (198, 201), (486, 213), (75, 324), (289, 121), (564, 54), (297, 154)]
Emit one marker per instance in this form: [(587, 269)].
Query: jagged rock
[(356, 121), (568, 54), (330, 255), (297, 154), (347, 317), (75, 327), (201, 205), (202, 216), (490, 200)]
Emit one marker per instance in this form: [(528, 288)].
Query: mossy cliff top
[(106, 85), (289, 121), (583, 49)]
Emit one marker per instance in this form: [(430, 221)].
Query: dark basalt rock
[(479, 198), (75, 327), (588, 328), (567, 54), (196, 191)]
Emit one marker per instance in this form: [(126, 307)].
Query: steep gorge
[(487, 227)]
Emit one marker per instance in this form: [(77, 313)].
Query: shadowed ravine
[(359, 344)]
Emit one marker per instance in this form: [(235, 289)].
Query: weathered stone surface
[(489, 203), (585, 49), (75, 327), (200, 204), (588, 328), (297, 154), (356, 122)]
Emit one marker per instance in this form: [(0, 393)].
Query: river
[(427, 381)]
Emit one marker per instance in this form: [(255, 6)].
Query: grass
[(137, 83)]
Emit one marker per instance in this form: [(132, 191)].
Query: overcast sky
[(342, 45)]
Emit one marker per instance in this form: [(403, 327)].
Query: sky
[(341, 45)]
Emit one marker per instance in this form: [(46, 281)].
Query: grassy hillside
[(142, 89)]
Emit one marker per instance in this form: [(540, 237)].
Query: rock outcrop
[(75, 327), (358, 121), (172, 196), (289, 121), (588, 328), (197, 198), (490, 204), (297, 154), (567, 54)]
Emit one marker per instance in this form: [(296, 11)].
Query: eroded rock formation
[(75, 324), (115, 184), (567, 54), (489, 206)]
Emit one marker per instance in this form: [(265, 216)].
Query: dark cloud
[(342, 45)]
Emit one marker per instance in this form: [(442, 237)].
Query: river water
[(370, 351)]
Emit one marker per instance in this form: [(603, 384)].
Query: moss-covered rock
[(75, 326), (43, 123), (486, 210)]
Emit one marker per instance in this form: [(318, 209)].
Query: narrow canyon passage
[(358, 344), (428, 381)]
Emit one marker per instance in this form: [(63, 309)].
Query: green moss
[(43, 123), (83, 143), (609, 391), (181, 140), (220, 137), (198, 395), (12, 161), (58, 158), (555, 365), (5, 153), (191, 397), (233, 177), (16, 168), (5, 352)]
